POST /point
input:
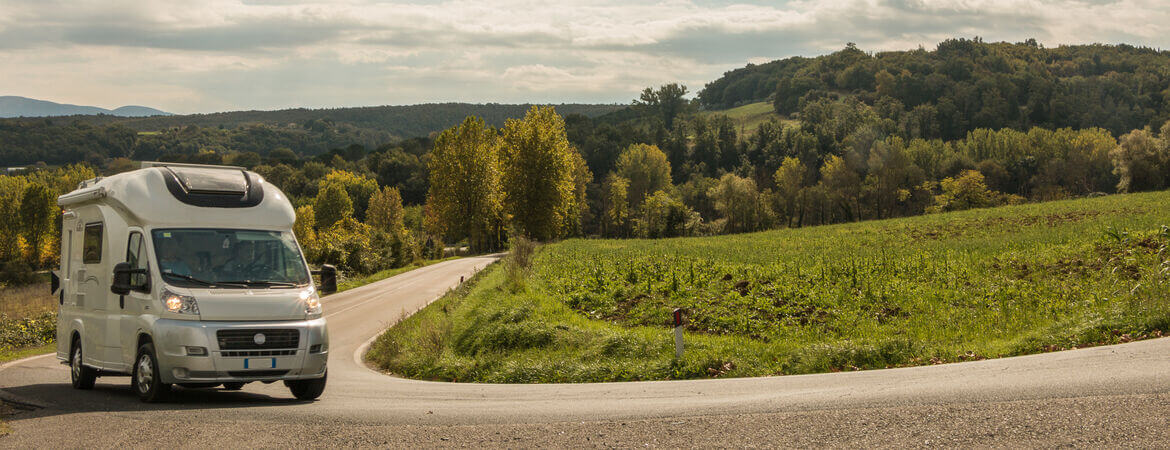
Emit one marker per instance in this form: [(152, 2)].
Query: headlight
[(179, 304), (312, 301)]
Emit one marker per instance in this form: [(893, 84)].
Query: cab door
[(139, 301)]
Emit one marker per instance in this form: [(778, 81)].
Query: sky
[(204, 56)]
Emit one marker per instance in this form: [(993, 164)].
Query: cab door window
[(136, 256)]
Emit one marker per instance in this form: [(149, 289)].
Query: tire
[(83, 377), (307, 389), (145, 379), (233, 386)]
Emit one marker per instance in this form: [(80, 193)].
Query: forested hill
[(966, 84), (306, 132), (402, 121)]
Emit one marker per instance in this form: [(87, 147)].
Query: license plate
[(260, 363)]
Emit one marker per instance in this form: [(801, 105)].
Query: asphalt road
[(1104, 396)]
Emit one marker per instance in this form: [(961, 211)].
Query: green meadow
[(931, 289)]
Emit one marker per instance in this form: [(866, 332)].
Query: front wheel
[(83, 377), (307, 389), (146, 380)]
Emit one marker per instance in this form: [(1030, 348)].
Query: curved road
[(1097, 396)]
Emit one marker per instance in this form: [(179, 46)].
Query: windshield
[(203, 257)]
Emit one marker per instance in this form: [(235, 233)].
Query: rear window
[(92, 246)]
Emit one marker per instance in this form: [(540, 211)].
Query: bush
[(27, 332), (16, 273)]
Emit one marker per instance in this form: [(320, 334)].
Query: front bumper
[(172, 337)]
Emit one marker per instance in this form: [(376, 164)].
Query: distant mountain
[(403, 121), (13, 106), (138, 111)]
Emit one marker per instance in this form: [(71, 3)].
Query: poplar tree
[(538, 173), (465, 195)]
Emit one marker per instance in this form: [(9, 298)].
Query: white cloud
[(226, 54)]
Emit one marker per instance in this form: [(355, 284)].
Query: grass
[(26, 301), (749, 117), (923, 290), (379, 276), (13, 355)]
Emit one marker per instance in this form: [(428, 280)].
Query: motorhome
[(189, 275)]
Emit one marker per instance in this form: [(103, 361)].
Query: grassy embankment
[(923, 290)]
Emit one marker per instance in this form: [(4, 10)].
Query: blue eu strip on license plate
[(260, 363)]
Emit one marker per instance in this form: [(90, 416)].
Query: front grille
[(245, 339), (256, 373), (247, 353)]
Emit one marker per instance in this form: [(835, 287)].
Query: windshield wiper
[(188, 278), (203, 282), (262, 283)]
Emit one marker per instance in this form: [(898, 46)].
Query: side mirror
[(123, 281), (328, 275)]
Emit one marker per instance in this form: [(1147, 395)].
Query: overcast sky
[(201, 56)]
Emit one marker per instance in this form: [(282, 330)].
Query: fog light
[(196, 351), (315, 348), (179, 372)]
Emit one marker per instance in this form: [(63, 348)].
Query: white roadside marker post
[(678, 333)]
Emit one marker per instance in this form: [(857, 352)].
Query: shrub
[(28, 331)]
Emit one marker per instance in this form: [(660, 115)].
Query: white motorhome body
[(190, 275)]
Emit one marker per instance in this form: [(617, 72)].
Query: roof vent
[(202, 180), (215, 187)]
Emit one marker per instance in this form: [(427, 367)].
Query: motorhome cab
[(188, 275)]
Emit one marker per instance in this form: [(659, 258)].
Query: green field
[(749, 117), (930, 289)]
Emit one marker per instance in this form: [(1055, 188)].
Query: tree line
[(964, 84)]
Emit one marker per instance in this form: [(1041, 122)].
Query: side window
[(92, 247), (136, 256)]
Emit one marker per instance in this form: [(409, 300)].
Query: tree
[(647, 169), (359, 188), (537, 175), (1139, 160), (282, 155), (890, 179), (385, 213), (617, 207), (667, 102), (741, 204), (37, 207), (11, 191), (842, 185), (664, 216), (465, 196), (332, 205), (581, 179), (304, 232), (968, 190), (789, 180), (119, 165), (246, 159)]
